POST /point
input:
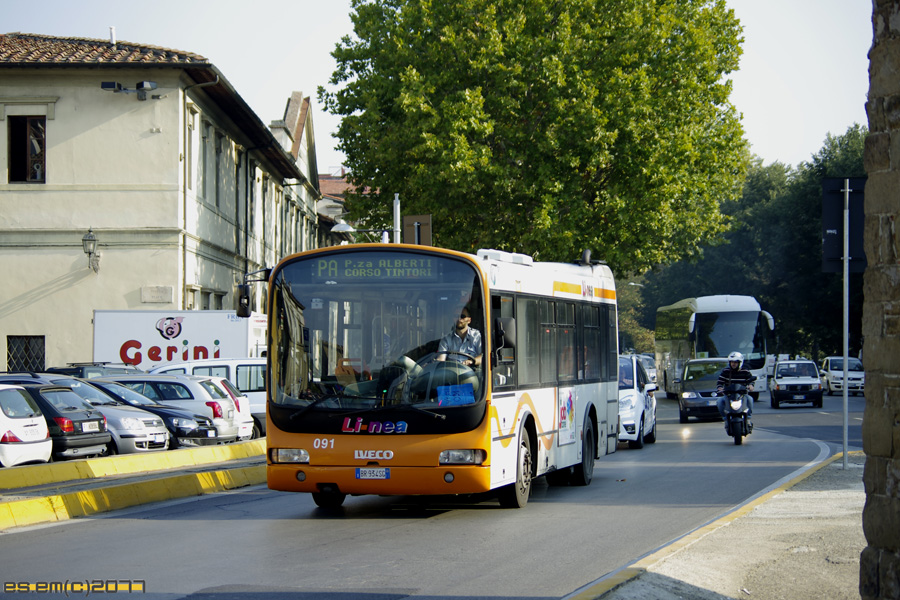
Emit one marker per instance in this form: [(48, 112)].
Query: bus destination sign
[(347, 269)]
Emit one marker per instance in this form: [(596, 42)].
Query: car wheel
[(682, 415), (818, 403), (638, 442), (111, 449), (650, 438)]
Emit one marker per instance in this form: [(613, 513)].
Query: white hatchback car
[(24, 435), (242, 417), (637, 403), (832, 374)]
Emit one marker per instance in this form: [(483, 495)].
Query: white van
[(247, 374)]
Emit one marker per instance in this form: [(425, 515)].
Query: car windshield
[(213, 390), (648, 362), (88, 392), (17, 403), (66, 400), (796, 370), (128, 394), (704, 371), (853, 364), (626, 374)]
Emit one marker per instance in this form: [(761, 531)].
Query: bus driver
[(462, 339)]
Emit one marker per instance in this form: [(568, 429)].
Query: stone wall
[(879, 576)]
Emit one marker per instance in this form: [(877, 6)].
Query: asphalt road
[(255, 543)]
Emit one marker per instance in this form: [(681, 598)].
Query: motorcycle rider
[(734, 374)]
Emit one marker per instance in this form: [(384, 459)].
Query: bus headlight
[(462, 457), (289, 455)]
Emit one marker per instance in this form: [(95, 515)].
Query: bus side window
[(528, 341), (565, 318), (591, 330), (548, 341), (504, 306)]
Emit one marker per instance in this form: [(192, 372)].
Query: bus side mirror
[(243, 308)]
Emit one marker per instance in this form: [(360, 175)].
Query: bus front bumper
[(380, 480)]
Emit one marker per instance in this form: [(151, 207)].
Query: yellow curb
[(634, 570), (125, 464), (20, 513)]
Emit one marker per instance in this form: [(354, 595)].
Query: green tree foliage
[(774, 252), (544, 126)]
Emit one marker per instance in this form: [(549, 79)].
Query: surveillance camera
[(145, 85), (111, 86)]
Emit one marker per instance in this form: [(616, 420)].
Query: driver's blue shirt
[(471, 344)]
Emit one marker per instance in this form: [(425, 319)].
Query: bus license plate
[(370, 473)]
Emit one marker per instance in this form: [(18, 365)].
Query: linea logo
[(373, 454)]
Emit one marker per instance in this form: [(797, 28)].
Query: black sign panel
[(833, 224), (374, 267)]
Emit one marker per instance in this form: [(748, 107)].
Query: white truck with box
[(151, 338)]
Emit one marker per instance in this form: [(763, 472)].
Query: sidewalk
[(801, 541), (31, 495)]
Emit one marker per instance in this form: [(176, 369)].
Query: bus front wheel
[(328, 499), (515, 495)]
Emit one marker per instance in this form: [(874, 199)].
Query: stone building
[(153, 153), (880, 560)]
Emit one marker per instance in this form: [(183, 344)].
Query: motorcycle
[(737, 413)]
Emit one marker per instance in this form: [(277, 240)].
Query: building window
[(219, 167), (25, 353), (27, 157), (203, 163)]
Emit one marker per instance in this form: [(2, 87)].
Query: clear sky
[(804, 71)]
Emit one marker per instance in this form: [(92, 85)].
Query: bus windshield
[(359, 330), (720, 333)]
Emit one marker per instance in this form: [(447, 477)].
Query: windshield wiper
[(321, 398), (424, 410)]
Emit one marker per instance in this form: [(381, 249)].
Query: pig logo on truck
[(169, 327)]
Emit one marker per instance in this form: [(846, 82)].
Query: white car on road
[(637, 403)]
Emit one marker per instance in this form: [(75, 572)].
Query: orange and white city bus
[(359, 402)]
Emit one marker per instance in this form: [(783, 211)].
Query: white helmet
[(736, 356)]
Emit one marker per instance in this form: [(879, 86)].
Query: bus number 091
[(322, 443)]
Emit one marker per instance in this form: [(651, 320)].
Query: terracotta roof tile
[(31, 48)]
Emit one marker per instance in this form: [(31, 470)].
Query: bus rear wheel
[(515, 495), (584, 472)]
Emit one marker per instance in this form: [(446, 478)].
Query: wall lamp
[(89, 244), (140, 88), (346, 228)]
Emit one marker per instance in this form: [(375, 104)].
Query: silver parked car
[(133, 430), (195, 394)]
